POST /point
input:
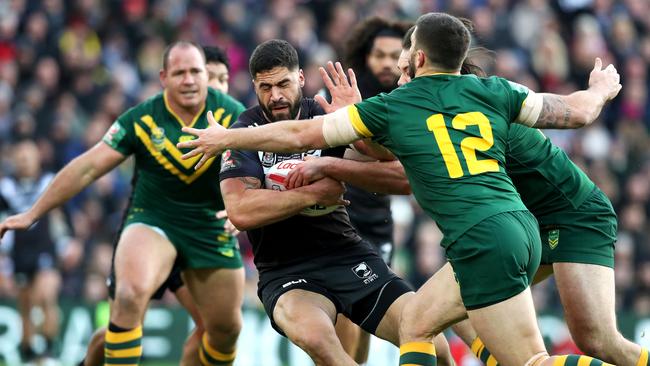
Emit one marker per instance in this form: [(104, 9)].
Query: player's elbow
[(240, 220)]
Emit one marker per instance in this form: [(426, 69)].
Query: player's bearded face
[(279, 92), (185, 78), (382, 59)]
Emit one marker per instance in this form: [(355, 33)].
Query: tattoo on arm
[(555, 113), (250, 182)]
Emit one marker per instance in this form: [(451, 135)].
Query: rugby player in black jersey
[(311, 268)]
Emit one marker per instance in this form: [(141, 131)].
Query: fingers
[(598, 64), (343, 202), (192, 153), (193, 131), (322, 102), (326, 78), (211, 120), (342, 77), (333, 73), (203, 160), (222, 214), (309, 157), (353, 78)]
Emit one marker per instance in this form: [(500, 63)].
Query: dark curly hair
[(270, 54), (361, 39)]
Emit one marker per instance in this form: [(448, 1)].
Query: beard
[(293, 108), (412, 66)]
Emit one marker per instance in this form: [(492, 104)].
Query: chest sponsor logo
[(553, 238), (158, 138), (363, 271), (268, 159), (295, 282)]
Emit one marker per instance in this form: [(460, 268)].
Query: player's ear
[(301, 78), (420, 58), (162, 76)]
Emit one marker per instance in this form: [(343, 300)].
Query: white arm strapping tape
[(337, 128), (530, 109)]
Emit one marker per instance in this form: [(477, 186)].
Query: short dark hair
[(362, 38), (168, 50), (406, 41), (443, 38), (216, 55), (273, 53)]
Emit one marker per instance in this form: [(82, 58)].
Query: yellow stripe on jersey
[(178, 119), (170, 147), (357, 123), (162, 160)]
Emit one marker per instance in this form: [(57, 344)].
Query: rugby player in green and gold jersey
[(578, 232), (430, 124), (172, 215)]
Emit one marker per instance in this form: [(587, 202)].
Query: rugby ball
[(275, 178)]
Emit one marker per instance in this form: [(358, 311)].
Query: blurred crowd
[(68, 68)]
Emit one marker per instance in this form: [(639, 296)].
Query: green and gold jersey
[(164, 183), (547, 180), (450, 133)]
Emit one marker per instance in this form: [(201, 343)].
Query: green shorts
[(496, 259), (204, 247), (583, 235)]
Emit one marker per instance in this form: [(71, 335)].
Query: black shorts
[(356, 280), (27, 264), (385, 249), (173, 283)]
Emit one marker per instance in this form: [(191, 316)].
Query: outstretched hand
[(21, 221), (343, 91), (207, 141), (607, 81)]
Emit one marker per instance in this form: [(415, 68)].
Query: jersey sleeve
[(517, 96), (121, 135), (370, 117), (240, 163)]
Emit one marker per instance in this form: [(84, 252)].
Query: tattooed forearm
[(250, 182), (556, 113)]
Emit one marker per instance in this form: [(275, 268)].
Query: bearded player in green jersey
[(172, 215), (578, 232), (430, 124)]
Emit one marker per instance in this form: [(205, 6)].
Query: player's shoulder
[(253, 116), (309, 108), (217, 99)]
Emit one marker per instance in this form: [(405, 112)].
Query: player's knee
[(596, 342), (312, 340), (131, 296), (411, 325), (224, 327)]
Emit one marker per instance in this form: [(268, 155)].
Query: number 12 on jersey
[(468, 145)]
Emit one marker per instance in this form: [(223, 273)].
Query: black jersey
[(298, 237), (370, 212), (18, 195)]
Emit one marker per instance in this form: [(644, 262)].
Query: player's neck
[(428, 71), (185, 115)]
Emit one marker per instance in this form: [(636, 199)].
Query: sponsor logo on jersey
[(114, 134), (291, 283), (158, 138), (268, 159), (553, 238), (363, 271), (227, 161)]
